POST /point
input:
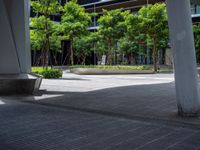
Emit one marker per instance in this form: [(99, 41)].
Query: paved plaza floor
[(107, 112)]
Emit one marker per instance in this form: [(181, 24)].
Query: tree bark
[(47, 41), (47, 52), (84, 59), (155, 56), (110, 53), (72, 52), (43, 56)]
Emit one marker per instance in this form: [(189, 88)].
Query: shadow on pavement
[(155, 102)]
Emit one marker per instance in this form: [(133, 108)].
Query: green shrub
[(48, 73)]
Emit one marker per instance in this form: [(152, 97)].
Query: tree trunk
[(47, 45), (72, 52), (84, 59), (43, 56), (154, 55), (110, 53), (39, 60), (63, 47), (47, 53), (55, 59), (116, 59)]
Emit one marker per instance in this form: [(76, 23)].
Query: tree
[(112, 27), (128, 47), (55, 41), (75, 22), (135, 37), (43, 26), (36, 40), (101, 46), (38, 36), (84, 46), (196, 29), (153, 22)]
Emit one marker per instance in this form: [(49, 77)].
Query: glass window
[(198, 9)]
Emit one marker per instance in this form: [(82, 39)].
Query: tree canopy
[(153, 21), (43, 32), (112, 27), (75, 22), (119, 31)]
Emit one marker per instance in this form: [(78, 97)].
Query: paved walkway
[(98, 113)]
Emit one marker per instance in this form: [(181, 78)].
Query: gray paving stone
[(147, 96), (166, 141), (135, 142), (98, 113), (120, 137), (190, 143)]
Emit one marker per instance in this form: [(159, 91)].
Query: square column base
[(188, 114), (19, 84)]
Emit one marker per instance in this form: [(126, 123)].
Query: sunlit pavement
[(113, 112), (88, 83)]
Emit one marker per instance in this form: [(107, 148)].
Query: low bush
[(48, 73)]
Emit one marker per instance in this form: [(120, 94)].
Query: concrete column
[(182, 43), (15, 56), (14, 38)]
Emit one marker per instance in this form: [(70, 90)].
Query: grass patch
[(138, 67), (49, 73)]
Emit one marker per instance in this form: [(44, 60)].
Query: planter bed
[(97, 71)]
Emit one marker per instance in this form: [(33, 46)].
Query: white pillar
[(182, 42), (15, 55)]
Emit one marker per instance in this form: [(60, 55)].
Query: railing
[(82, 2)]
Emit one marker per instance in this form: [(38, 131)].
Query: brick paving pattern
[(115, 114)]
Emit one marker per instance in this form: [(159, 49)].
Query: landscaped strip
[(98, 70)]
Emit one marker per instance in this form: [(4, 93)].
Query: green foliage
[(112, 27), (112, 24), (151, 22), (36, 40), (128, 46), (48, 73), (119, 31), (84, 46), (44, 34), (196, 29), (45, 7), (38, 32), (55, 38), (100, 44), (75, 22), (139, 67), (133, 26), (51, 74)]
